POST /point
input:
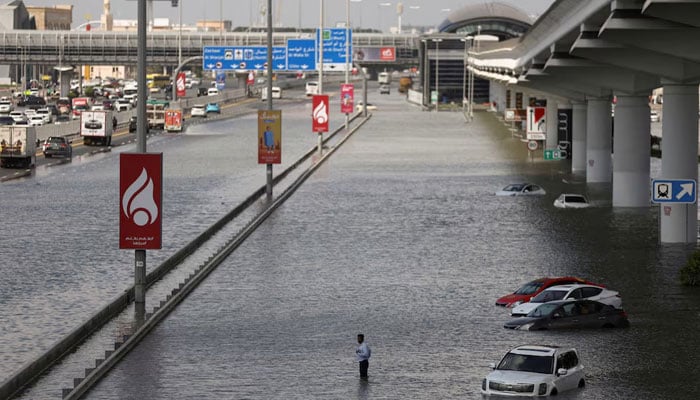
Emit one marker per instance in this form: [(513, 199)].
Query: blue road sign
[(301, 54), (680, 191), (243, 57), (335, 41)]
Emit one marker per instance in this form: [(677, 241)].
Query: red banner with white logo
[(347, 98), (320, 114), (140, 200), (387, 54), (180, 85)]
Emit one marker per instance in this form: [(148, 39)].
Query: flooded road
[(400, 237)]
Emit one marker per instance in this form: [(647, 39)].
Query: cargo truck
[(173, 120), (81, 104), (96, 128), (155, 113), (17, 146)]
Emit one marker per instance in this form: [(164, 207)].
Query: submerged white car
[(565, 292), (535, 371), (570, 200), (521, 189)]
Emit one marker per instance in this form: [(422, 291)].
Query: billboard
[(320, 113), (347, 98), (374, 54), (180, 85), (140, 200), (269, 136)]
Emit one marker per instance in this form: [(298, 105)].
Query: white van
[(212, 91), (276, 93), (311, 88), (384, 77)]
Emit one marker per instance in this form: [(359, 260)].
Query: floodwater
[(61, 260), (400, 237)]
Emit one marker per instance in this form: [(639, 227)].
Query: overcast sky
[(367, 13)]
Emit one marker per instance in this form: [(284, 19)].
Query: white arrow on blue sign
[(301, 54), (679, 191), (243, 57)]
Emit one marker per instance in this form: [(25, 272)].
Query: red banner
[(387, 54), (320, 113), (180, 85), (140, 200), (347, 98)]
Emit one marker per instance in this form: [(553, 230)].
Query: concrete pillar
[(512, 99), (578, 142), (599, 141), (526, 104), (631, 170), (551, 124), (679, 160)]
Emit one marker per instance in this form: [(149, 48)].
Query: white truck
[(384, 78), (17, 146), (96, 127)]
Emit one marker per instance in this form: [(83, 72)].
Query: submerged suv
[(535, 371)]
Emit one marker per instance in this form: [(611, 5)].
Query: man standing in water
[(362, 354)]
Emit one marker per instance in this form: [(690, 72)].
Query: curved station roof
[(497, 19)]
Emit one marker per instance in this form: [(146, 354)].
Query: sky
[(305, 13)]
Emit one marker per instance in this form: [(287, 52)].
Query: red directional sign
[(320, 113), (140, 200)]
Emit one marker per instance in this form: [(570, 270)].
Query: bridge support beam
[(598, 141), (679, 149), (631, 169), (578, 138)]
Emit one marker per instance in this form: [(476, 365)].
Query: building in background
[(54, 18), (14, 15)]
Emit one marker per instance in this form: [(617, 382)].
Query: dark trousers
[(364, 365)]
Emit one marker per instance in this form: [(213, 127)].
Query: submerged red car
[(532, 289)]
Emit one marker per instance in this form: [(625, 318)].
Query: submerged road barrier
[(32, 371)]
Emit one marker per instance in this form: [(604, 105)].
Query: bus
[(156, 82)]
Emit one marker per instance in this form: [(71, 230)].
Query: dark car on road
[(133, 126), (57, 146), (32, 102), (6, 120), (570, 314)]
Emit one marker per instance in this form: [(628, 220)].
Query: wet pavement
[(400, 237)]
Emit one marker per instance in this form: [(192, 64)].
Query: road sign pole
[(140, 255), (268, 174)]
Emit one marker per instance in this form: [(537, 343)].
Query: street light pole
[(471, 78), (347, 56), (464, 73), (437, 73)]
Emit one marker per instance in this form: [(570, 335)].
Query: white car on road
[(36, 120), (534, 370), (564, 292), (199, 110)]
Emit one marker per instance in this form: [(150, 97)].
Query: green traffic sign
[(552, 155)]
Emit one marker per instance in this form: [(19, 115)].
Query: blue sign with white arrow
[(679, 191), (243, 57), (301, 54)]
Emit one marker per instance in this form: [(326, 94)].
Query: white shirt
[(363, 352)]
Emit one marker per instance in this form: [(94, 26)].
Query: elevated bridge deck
[(109, 48)]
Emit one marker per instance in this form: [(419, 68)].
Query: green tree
[(690, 273)]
